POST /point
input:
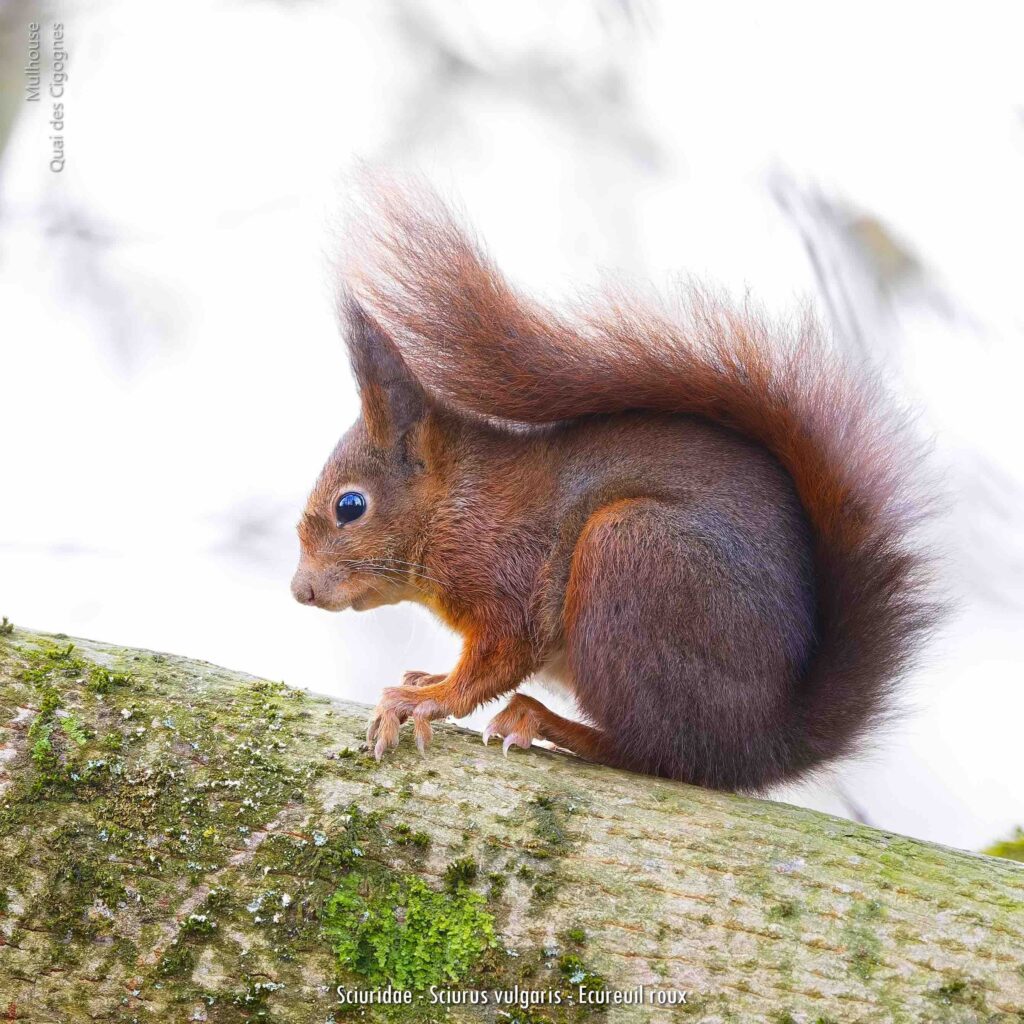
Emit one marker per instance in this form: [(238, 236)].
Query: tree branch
[(183, 842)]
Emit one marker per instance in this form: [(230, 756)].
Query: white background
[(170, 375)]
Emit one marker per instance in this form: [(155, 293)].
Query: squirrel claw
[(397, 705), (423, 732), (515, 739), (516, 724), (384, 727)]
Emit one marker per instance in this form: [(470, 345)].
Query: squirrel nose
[(303, 591)]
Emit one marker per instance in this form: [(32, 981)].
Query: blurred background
[(171, 379)]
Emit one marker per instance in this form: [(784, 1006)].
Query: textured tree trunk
[(181, 842)]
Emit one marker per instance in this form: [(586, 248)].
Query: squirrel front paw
[(420, 698)]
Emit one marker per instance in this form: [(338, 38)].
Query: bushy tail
[(476, 343)]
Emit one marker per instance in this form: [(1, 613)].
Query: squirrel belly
[(706, 519)]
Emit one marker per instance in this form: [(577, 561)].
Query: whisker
[(372, 563), (419, 566)]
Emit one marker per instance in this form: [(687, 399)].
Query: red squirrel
[(702, 525)]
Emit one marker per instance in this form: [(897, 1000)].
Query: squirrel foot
[(518, 724), (419, 698), (526, 720)]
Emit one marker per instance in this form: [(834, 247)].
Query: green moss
[(102, 680), (960, 991), (549, 814), (6, 627), (541, 971), (405, 934), (105, 821), (1011, 849), (576, 972), (784, 911), (72, 728), (180, 957), (693, 1006), (44, 755), (405, 836), (74, 884), (545, 888), (254, 998), (196, 925), (862, 941), (864, 956), (51, 660), (112, 741), (42, 748), (460, 873), (868, 910)]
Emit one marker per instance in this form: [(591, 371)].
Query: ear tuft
[(393, 401)]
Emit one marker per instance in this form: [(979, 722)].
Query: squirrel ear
[(393, 401)]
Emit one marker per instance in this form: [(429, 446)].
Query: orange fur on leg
[(485, 671), (526, 719)]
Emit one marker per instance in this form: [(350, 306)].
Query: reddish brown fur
[(704, 522)]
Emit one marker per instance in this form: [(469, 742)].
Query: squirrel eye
[(351, 505)]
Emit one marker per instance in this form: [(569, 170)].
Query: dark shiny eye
[(351, 505)]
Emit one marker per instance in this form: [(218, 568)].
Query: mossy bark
[(181, 842)]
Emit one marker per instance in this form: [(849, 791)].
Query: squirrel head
[(361, 532)]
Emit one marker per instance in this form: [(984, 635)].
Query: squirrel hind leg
[(525, 719), (676, 627)]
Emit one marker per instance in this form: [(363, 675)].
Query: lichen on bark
[(182, 842)]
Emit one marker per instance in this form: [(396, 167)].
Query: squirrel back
[(480, 347)]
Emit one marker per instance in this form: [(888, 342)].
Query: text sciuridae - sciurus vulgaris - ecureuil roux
[(700, 524)]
